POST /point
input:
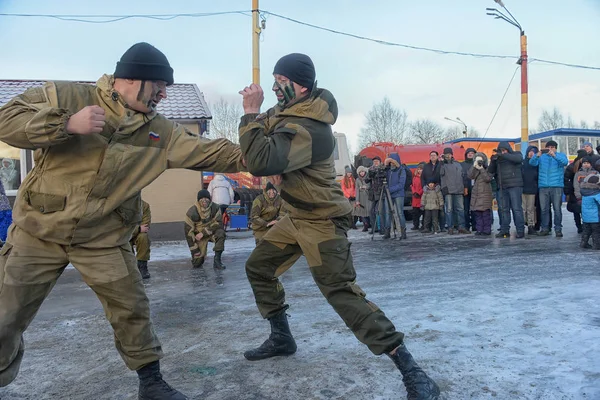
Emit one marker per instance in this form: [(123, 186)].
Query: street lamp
[(460, 122), (497, 14)]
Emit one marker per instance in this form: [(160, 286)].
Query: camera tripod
[(385, 190)]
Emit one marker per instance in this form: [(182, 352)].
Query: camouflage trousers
[(141, 244), (29, 268), (218, 238), (325, 245)]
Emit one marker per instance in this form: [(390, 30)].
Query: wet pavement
[(486, 318)]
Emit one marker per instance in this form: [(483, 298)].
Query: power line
[(167, 17), (499, 105), (115, 18), (385, 42), (438, 51)]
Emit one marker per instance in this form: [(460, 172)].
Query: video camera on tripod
[(379, 174)]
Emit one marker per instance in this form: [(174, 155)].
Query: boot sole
[(258, 358)]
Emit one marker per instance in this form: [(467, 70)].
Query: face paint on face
[(285, 92), (204, 202), (152, 96)]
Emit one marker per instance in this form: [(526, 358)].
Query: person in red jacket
[(349, 189), (417, 192)]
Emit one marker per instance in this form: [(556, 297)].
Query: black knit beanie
[(448, 150), (144, 62), (203, 194), (270, 186), (298, 68)]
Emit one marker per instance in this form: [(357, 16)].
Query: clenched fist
[(253, 98), (88, 120)]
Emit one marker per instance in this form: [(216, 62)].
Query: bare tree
[(424, 131), (597, 125), (584, 125), (384, 124), (550, 120), (226, 119)]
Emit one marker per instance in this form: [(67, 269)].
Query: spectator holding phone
[(551, 183)]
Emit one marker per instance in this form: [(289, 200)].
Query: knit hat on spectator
[(588, 144), (270, 186), (448, 150), (203, 194)]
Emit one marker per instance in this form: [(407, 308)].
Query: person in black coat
[(530, 189)]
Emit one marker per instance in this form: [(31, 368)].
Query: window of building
[(13, 168)]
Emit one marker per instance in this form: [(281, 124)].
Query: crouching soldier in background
[(265, 213), (203, 224), (140, 242)]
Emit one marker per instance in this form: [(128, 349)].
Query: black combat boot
[(197, 262), (153, 387), (418, 385), (217, 263), (143, 267), (280, 342), (402, 233)]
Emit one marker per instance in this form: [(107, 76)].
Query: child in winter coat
[(417, 192), (590, 211), (432, 202), (481, 194)]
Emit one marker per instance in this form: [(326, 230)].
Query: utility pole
[(524, 95), (256, 29), (497, 14)]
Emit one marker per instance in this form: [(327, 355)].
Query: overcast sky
[(215, 52)]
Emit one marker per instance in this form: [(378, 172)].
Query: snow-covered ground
[(487, 318)]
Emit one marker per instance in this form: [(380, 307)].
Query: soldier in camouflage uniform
[(203, 224), (140, 242), (266, 211), (97, 146), (293, 144)]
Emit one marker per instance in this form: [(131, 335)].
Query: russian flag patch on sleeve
[(154, 136)]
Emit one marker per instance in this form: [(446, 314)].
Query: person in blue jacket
[(396, 179), (551, 168)]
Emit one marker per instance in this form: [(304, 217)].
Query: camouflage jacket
[(265, 211), (297, 143), (195, 223), (85, 190)]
